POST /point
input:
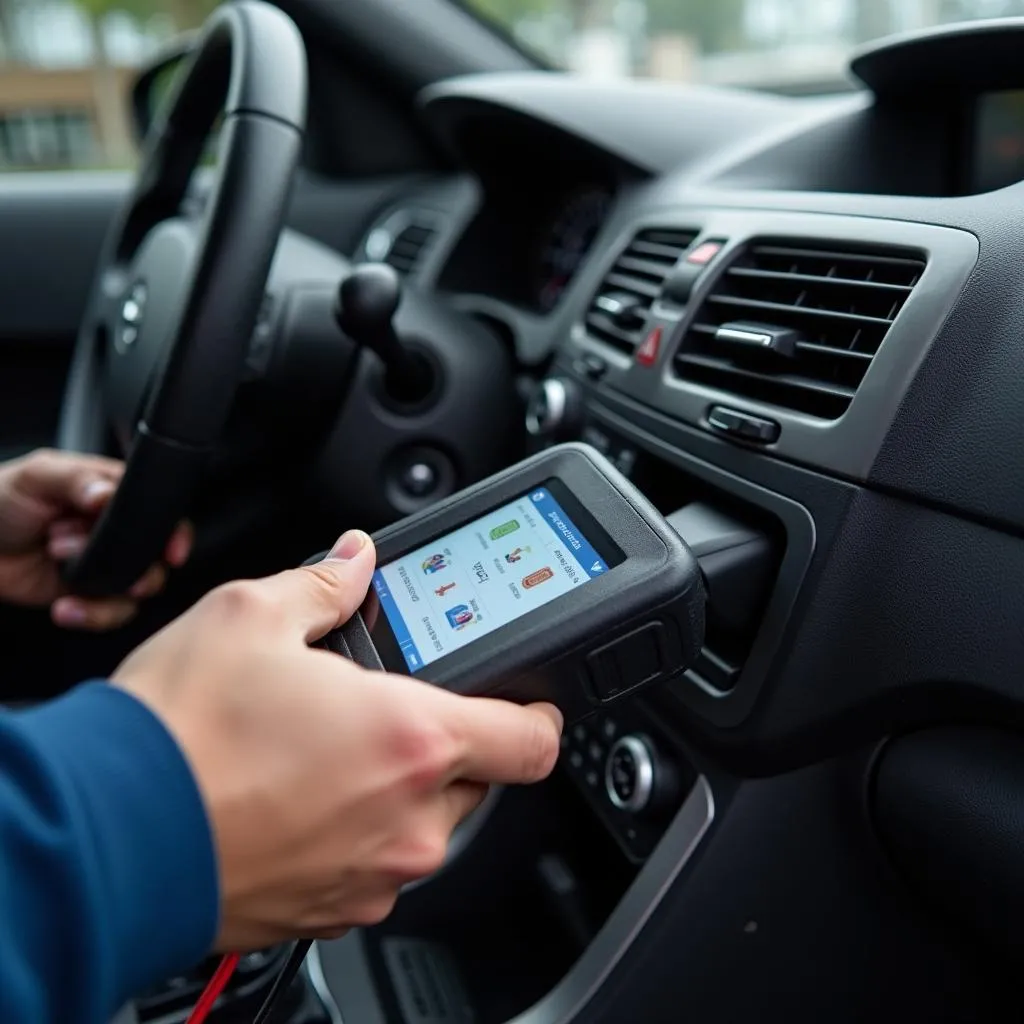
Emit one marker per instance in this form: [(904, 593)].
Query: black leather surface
[(949, 807)]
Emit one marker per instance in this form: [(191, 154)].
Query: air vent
[(797, 325), (618, 312), (402, 240)]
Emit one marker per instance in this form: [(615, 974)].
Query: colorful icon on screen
[(535, 579), (516, 555), (539, 495), (460, 616), (435, 563), (442, 590), (505, 529)]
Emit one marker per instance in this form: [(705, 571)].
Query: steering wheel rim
[(162, 348)]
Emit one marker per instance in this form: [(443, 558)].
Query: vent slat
[(629, 283), (605, 328), (781, 307), (816, 279), (835, 353), (852, 257), (788, 379), (834, 306), (639, 272), (787, 390), (656, 250), (409, 246), (645, 268)]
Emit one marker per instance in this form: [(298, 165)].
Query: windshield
[(797, 46)]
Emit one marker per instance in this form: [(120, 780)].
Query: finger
[(460, 800), (85, 482), (179, 547), (71, 526), (322, 596), (151, 583), (503, 742), (66, 545), (75, 613)]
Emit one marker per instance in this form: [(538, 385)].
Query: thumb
[(84, 482), (318, 598)]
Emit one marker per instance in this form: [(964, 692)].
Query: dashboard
[(795, 323), (804, 312)]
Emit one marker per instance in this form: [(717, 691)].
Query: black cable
[(284, 978)]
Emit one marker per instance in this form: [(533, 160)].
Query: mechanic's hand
[(49, 501), (328, 787)]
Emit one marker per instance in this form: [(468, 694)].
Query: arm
[(109, 879)]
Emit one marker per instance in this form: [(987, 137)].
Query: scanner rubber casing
[(639, 624)]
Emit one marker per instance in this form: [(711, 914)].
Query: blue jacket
[(108, 875)]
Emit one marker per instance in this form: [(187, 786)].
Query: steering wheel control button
[(647, 354), (417, 476), (554, 409), (633, 660), (743, 425), (133, 310), (629, 774), (419, 479)]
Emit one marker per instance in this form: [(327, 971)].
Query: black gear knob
[(364, 309)]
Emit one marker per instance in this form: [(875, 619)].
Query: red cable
[(214, 987)]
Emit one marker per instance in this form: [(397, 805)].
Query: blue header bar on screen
[(397, 622), (567, 531)]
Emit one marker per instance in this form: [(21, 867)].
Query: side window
[(66, 69)]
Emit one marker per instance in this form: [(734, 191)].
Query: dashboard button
[(630, 661), (629, 774), (590, 366), (743, 425), (647, 353)]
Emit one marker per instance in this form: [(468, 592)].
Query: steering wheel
[(162, 348)]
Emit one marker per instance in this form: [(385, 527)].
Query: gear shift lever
[(364, 310)]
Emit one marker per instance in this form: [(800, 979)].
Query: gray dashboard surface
[(651, 125), (956, 433)]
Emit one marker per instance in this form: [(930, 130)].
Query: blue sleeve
[(108, 874)]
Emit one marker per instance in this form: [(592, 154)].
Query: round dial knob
[(554, 410), (635, 778), (629, 774)]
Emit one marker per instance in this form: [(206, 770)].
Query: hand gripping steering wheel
[(163, 345)]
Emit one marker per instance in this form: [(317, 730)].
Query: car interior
[(795, 323)]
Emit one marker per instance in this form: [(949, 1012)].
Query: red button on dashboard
[(647, 353), (704, 253)]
